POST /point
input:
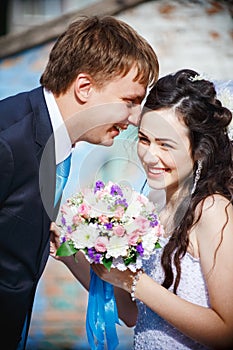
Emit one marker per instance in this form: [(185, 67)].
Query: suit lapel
[(44, 139), (42, 127)]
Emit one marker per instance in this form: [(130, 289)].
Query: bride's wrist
[(132, 285), (66, 259)]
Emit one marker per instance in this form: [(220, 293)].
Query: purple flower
[(153, 220), (98, 186), (154, 223), (63, 240), (108, 225), (91, 252), (97, 258), (116, 190), (121, 202), (63, 220), (69, 229), (140, 249)]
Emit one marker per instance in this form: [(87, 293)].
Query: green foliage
[(107, 263), (66, 249)]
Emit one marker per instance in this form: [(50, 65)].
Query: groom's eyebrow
[(136, 98)]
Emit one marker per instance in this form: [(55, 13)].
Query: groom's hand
[(54, 240)]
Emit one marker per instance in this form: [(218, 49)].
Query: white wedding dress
[(151, 331)]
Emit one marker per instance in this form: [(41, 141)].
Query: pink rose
[(119, 231), (142, 223), (119, 212), (159, 230), (133, 237), (83, 209), (64, 209), (143, 200), (101, 194), (103, 219), (101, 244), (76, 219)]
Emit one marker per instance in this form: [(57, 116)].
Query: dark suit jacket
[(25, 130)]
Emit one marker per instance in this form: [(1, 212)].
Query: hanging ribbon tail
[(111, 317), (95, 315), (101, 314)]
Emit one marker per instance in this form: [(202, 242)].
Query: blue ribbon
[(101, 315)]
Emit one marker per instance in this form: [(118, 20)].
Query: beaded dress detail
[(151, 331)]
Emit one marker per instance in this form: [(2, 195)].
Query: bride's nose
[(152, 155)]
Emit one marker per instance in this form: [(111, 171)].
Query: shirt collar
[(63, 146)]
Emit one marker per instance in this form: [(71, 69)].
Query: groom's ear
[(83, 87)]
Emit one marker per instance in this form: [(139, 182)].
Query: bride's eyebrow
[(141, 134), (161, 139), (157, 139)]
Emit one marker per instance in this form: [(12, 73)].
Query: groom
[(95, 80)]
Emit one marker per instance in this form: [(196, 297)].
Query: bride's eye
[(143, 139), (165, 145)]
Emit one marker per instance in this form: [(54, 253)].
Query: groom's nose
[(135, 114)]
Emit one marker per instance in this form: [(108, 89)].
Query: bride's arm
[(127, 309), (211, 326)]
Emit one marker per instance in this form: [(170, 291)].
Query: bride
[(182, 298)]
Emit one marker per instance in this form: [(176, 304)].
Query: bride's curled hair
[(195, 103)]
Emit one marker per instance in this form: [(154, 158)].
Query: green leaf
[(132, 258), (66, 249), (157, 245), (107, 263)]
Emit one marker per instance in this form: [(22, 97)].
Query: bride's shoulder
[(212, 214), (211, 204)]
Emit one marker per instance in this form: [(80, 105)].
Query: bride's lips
[(156, 171)]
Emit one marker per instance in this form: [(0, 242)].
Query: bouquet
[(115, 226)]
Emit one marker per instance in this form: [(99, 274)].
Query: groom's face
[(111, 109)]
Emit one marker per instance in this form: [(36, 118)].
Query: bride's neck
[(169, 210)]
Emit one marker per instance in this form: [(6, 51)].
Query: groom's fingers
[(54, 228)]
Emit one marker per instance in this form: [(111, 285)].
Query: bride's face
[(164, 150)]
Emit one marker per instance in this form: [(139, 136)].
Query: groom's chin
[(107, 143)]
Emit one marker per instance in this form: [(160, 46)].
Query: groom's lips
[(121, 126), (116, 129)]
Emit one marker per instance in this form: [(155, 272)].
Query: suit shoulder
[(16, 107)]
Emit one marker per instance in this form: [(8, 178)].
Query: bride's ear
[(83, 87)]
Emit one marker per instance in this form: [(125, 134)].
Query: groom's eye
[(129, 103)]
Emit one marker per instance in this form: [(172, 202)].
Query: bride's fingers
[(100, 270)]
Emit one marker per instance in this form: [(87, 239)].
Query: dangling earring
[(197, 176)]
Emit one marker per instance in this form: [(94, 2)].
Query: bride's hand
[(120, 279), (54, 240)]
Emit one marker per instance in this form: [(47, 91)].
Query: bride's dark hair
[(195, 102)]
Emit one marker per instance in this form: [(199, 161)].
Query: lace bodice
[(153, 332)]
